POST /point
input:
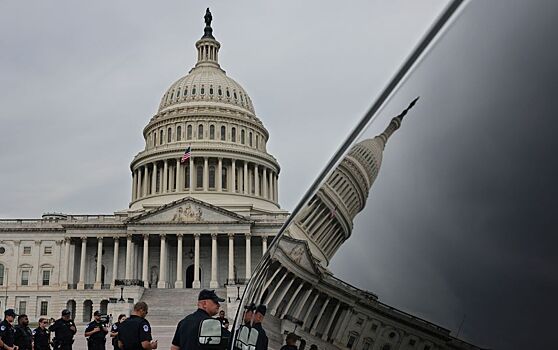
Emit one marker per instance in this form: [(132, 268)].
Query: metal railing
[(129, 282)]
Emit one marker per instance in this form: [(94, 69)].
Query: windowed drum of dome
[(189, 132), (233, 134), (200, 131), (223, 133), (212, 177), (212, 132), (179, 133)]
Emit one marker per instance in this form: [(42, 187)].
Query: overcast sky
[(462, 210)]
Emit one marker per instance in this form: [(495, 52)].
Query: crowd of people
[(130, 333)]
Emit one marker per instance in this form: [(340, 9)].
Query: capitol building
[(205, 221)]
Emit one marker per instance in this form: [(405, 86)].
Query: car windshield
[(434, 229)]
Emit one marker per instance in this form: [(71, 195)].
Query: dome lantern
[(207, 46)]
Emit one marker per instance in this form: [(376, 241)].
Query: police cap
[(66, 312), (10, 312), (262, 309), (207, 294)]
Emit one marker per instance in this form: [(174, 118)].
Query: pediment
[(188, 211), (298, 252)]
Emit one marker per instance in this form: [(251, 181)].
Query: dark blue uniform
[(262, 342), (114, 329), (7, 333), (96, 341), (41, 338), (63, 335), (187, 331), (23, 338), (133, 332)]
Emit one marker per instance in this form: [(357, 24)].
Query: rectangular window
[(44, 308), (22, 307), (48, 250), (24, 278), (46, 277), (2, 275), (27, 250)]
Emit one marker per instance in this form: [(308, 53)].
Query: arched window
[(257, 141), (211, 90), (178, 94), (212, 177), (224, 178), (178, 133), (250, 139), (233, 134), (228, 93), (200, 131), (220, 92), (194, 90), (187, 176), (212, 132), (235, 96), (161, 137), (242, 136), (189, 132), (186, 91), (202, 90), (169, 135), (199, 176), (223, 133), (172, 95), (2, 270), (154, 139)]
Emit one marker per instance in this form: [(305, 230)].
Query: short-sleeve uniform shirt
[(133, 332), (187, 331), (40, 339)]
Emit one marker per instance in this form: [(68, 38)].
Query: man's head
[(140, 309), (260, 313), (66, 315), (209, 302), (9, 315), (222, 313), (97, 316), (291, 339), (23, 320), (43, 322), (249, 313)]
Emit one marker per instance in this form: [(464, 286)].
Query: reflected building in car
[(305, 297), (200, 222)]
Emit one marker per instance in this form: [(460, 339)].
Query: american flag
[(186, 155)]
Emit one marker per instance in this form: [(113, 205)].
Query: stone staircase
[(168, 306)]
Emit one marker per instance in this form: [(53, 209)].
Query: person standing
[(135, 332), (41, 335), (222, 318), (96, 332), (114, 331), (262, 342), (23, 337), (290, 342), (249, 314), (64, 329), (187, 330), (7, 332)]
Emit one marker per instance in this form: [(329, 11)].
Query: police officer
[(23, 335), (7, 332), (96, 332), (222, 318), (41, 335), (114, 331), (249, 314), (135, 332), (64, 329), (262, 342), (187, 330), (290, 342)]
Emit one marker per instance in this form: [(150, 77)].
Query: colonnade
[(163, 258), (205, 174)]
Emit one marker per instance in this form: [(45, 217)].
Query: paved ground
[(163, 334)]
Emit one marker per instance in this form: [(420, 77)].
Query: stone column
[(233, 176), (281, 296), (128, 257), (219, 179), (309, 311), (65, 279), (145, 183), (196, 283), (270, 185), (248, 256), (343, 325), (264, 177), (213, 283), (319, 317), (205, 173), (264, 244), (81, 283), (293, 298), (231, 259), (275, 188), (145, 262), (99, 269), (139, 188), (179, 283), (34, 279), (165, 176), (134, 185), (330, 322), (272, 294), (163, 263), (302, 303), (154, 178), (256, 181), (191, 174), (178, 180), (245, 176), (115, 260)]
